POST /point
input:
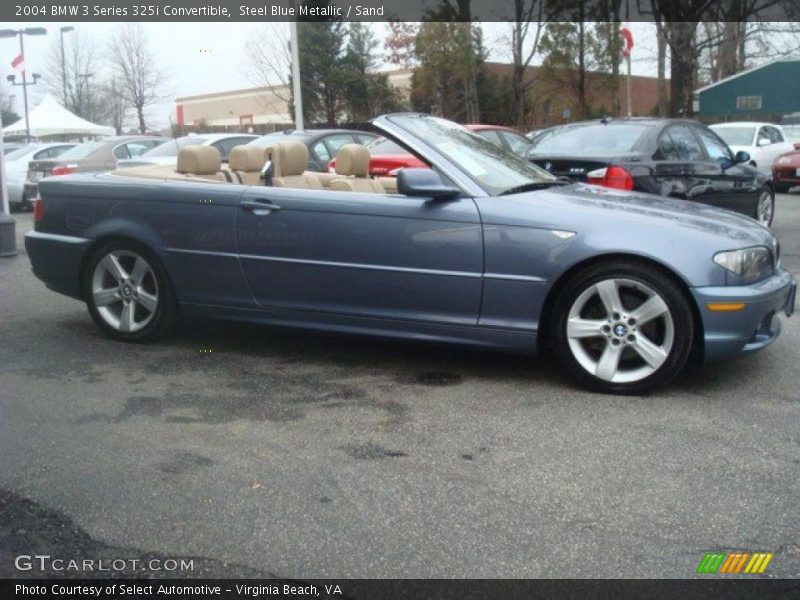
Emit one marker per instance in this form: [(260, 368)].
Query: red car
[(387, 157), (786, 171)]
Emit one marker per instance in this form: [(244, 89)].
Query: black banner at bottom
[(406, 589)]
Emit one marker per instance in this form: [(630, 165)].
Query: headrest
[(288, 158), (353, 159), (199, 160), (247, 158)]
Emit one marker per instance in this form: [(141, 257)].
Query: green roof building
[(765, 93)]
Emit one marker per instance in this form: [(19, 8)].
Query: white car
[(167, 153), (17, 167), (764, 142)]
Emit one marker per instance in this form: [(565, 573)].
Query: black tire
[(657, 280), (26, 205), (165, 315), (756, 215)]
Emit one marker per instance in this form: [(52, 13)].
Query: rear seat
[(289, 164), (246, 163), (352, 162), (201, 162)]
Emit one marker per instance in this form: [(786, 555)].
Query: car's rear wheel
[(765, 209), (622, 327), (128, 293)]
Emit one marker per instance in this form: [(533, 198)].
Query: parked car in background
[(505, 137), (98, 156), (786, 171), (537, 135), (167, 153), (322, 144), (386, 157), (11, 147), (764, 142), (666, 157), (17, 168)]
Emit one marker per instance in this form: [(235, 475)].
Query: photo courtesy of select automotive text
[(399, 300)]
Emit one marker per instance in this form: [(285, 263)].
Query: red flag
[(627, 41), (19, 63)]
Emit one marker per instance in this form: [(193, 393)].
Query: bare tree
[(269, 57), (526, 31), (70, 78), (135, 68), (116, 103)]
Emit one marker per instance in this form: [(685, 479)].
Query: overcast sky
[(222, 64)]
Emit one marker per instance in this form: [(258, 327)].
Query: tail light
[(63, 169), (38, 209), (611, 176)]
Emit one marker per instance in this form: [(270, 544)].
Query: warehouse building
[(763, 93)]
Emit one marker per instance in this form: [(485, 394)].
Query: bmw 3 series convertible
[(483, 248)]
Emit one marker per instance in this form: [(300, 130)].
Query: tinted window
[(365, 138), (271, 138), (338, 140), (320, 151), (593, 139), (138, 148), (678, 143), (82, 150), (714, 146), (171, 147), (774, 134), (519, 143), (737, 135), (225, 146)]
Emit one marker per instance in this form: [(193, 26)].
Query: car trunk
[(573, 167), (39, 169)]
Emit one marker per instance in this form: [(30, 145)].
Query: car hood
[(583, 206)]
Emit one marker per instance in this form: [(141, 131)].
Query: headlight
[(784, 160), (750, 264)]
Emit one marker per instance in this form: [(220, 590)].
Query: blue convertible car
[(483, 248)]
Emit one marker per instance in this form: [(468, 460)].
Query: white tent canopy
[(49, 118)]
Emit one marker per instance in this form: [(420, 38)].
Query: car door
[(732, 186), (778, 146), (359, 254), (674, 172)]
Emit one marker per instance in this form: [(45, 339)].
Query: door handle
[(259, 207)]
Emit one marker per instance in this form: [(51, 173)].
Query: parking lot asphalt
[(265, 452)]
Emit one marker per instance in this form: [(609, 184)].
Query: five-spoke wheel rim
[(125, 291), (764, 209), (620, 330)]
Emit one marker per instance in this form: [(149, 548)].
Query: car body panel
[(786, 170), (762, 156), (476, 269)]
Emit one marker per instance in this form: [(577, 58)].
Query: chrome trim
[(509, 277), (54, 237), (327, 263)]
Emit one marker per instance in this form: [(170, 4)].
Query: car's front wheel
[(765, 208), (622, 327), (128, 293)]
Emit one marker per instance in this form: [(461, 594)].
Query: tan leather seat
[(200, 162), (352, 161), (289, 164), (389, 184), (246, 163)]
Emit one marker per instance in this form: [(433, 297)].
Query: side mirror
[(424, 183), (763, 142), (741, 157)]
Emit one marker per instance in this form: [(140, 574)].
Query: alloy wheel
[(125, 291), (764, 208), (620, 330)]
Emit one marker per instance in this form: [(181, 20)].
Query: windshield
[(81, 151), (494, 168), (383, 147), (592, 139), (736, 136), (171, 147), (271, 138)]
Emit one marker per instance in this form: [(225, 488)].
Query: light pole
[(297, 90), (7, 33), (64, 30)]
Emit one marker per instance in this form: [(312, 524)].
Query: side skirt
[(476, 336)]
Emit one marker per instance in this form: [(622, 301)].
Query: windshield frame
[(396, 126)]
